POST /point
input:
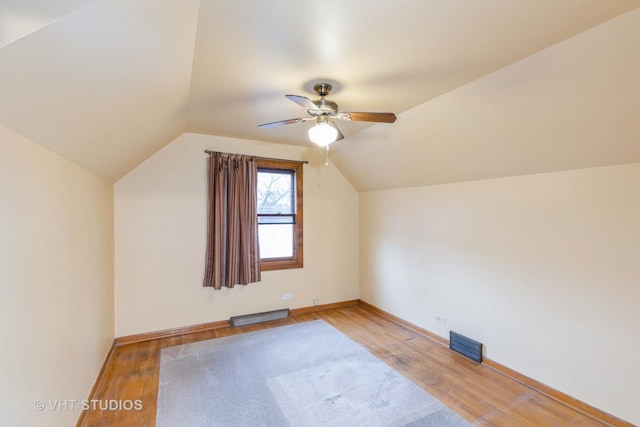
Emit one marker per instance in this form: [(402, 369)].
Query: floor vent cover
[(465, 346), (250, 319)]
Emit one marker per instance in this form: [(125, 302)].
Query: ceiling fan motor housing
[(326, 107)]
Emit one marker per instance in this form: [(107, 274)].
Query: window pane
[(276, 240), (275, 192)]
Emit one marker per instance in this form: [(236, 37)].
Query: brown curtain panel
[(233, 254)]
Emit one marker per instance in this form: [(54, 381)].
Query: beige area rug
[(306, 374)]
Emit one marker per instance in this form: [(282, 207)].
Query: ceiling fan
[(322, 111)]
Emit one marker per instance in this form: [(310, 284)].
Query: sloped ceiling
[(107, 83)]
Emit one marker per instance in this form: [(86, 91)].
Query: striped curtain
[(233, 254)]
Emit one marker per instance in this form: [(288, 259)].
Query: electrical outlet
[(287, 295), (441, 319), (316, 301)]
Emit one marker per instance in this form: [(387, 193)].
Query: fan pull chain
[(326, 156)]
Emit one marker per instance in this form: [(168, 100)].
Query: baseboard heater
[(465, 346), (250, 319)]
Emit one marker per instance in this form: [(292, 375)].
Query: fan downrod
[(322, 89)]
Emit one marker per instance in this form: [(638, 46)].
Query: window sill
[(280, 264)]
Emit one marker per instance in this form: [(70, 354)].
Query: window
[(280, 214)]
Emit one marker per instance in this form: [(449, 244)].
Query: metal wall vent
[(465, 346)]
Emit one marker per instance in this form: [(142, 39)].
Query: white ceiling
[(481, 88)]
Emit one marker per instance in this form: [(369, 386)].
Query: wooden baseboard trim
[(314, 308), (98, 383), (578, 405), (166, 333)]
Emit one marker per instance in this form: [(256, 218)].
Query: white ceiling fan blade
[(283, 122), (303, 101)]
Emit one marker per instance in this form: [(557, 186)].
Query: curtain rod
[(258, 157)]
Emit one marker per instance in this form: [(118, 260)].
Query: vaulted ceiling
[(481, 88)]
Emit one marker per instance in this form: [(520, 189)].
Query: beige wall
[(160, 224), (56, 282), (543, 269)]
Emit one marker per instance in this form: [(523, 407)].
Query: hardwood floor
[(478, 393)]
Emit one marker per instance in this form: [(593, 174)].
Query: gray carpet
[(306, 374)]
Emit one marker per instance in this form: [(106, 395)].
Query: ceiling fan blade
[(368, 117), (303, 101), (282, 123)]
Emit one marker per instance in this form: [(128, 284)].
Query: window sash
[(276, 219), (294, 218)]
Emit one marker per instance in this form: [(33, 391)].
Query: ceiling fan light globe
[(323, 134)]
